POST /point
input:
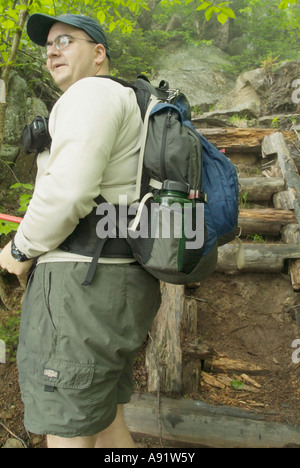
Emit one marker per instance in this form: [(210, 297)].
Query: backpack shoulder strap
[(153, 102)]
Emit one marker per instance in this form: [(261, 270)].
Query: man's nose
[(52, 51)]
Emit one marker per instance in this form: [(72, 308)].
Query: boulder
[(198, 71), (22, 107)]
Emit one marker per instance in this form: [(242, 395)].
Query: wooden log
[(290, 235), (259, 258), (260, 188), (289, 170), (264, 221), (193, 423), (239, 139), (275, 144), (226, 364), (176, 322), (164, 373), (284, 200), (294, 271)]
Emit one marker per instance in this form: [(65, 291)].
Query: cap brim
[(38, 27)]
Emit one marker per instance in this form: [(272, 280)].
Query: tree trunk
[(23, 15)]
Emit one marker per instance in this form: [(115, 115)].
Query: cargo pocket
[(58, 397), (57, 373)]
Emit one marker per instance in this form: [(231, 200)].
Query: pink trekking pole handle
[(11, 219)]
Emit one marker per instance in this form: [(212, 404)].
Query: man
[(78, 343)]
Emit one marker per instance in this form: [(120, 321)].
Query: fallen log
[(291, 235), (239, 139), (192, 423), (264, 221), (259, 258), (260, 188), (276, 145)]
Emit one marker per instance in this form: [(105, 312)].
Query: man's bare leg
[(55, 442), (116, 435)]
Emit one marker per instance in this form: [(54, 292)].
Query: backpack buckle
[(198, 195)]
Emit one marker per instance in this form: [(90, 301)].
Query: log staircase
[(270, 233)]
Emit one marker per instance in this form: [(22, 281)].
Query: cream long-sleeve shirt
[(96, 137)]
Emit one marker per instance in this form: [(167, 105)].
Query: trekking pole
[(11, 219)]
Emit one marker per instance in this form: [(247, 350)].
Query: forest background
[(139, 31), (255, 33)]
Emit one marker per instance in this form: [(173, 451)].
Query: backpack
[(173, 151)]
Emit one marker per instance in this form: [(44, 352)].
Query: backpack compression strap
[(153, 102)]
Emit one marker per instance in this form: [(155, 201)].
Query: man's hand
[(7, 262)]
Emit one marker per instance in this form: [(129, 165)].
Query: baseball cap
[(39, 25)]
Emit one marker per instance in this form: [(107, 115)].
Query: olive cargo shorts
[(78, 344)]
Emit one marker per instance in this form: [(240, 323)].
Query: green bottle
[(176, 192), (173, 192)]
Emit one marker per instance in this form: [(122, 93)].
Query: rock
[(20, 110), (198, 72), (16, 109), (266, 96), (279, 99), (245, 98), (13, 444)]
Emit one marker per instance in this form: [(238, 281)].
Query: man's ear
[(100, 54)]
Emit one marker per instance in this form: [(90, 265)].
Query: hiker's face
[(81, 58)]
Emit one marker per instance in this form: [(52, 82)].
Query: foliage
[(24, 196), (269, 29), (9, 333)]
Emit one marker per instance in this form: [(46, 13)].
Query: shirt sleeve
[(84, 125)]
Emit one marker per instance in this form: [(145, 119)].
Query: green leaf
[(283, 5), (7, 227), (222, 18), (112, 27), (101, 16), (203, 6), (227, 11), (210, 11), (25, 186), (237, 384)]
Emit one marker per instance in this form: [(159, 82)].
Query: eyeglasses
[(61, 42)]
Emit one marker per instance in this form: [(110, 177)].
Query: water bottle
[(173, 192)]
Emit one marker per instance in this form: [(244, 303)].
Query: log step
[(239, 139), (265, 221), (259, 258), (198, 424), (260, 188)]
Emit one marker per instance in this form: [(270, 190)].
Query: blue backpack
[(174, 152)]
